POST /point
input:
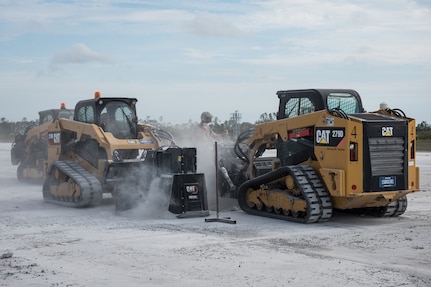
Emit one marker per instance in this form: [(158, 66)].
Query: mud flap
[(188, 194)]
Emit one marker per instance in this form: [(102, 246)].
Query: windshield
[(119, 119), (344, 101)]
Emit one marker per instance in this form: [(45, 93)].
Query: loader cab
[(114, 115), (300, 102), (295, 103), (49, 115)]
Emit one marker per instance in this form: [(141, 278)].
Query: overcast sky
[(180, 58)]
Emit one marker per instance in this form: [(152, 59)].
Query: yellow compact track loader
[(105, 150), (30, 147), (328, 153)]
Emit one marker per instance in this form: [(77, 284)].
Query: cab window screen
[(298, 106), (291, 108), (86, 114), (346, 102), (306, 106), (46, 118), (123, 112)]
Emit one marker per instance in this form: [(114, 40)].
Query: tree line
[(8, 129), (423, 131)]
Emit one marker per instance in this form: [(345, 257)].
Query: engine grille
[(386, 155)]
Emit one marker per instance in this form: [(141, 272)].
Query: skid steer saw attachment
[(188, 194), (174, 175), (177, 169)]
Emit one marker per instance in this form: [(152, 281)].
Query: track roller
[(293, 193)]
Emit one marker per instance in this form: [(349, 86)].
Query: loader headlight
[(412, 149), (353, 151)]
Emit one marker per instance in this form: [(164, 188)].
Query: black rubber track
[(319, 205), (90, 187)]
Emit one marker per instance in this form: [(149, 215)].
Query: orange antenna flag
[(97, 95)]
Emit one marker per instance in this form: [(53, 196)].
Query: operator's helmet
[(206, 117)]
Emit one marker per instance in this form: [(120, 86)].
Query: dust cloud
[(150, 198), (206, 159), (149, 203)]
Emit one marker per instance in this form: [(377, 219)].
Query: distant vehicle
[(29, 149)]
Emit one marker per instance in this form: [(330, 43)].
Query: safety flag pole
[(218, 219)]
